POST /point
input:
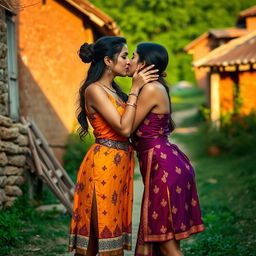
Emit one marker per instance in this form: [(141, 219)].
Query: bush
[(76, 150), (11, 221), (235, 135)]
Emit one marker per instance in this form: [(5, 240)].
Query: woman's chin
[(129, 74)]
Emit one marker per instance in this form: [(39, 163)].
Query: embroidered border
[(120, 145), (105, 245)]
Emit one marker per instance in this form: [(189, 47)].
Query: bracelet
[(131, 104), (134, 94)]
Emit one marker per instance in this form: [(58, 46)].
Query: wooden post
[(215, 98)]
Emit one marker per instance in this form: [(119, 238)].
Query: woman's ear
[(142, 65), (107, 60)]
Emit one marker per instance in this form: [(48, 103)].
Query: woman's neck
[(107, 79)]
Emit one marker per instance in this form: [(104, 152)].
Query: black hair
[(94, 53), (156, 54)]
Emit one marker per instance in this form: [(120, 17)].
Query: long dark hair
[(156, 54), (94, 53)]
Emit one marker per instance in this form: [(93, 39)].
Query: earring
[(109, 69)]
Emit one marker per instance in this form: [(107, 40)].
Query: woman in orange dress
[(102, 212)]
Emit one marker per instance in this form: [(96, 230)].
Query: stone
[(3, 63), (58, 207), (3, 180), (22, 128), (5, 121), (12, 190), (14, 180), (4, 110), (18, 160), (9, 133), (22, 140), (2, 195), (12, 170), (4, 98), (3, 159), (9, 201), (3, 87), (23, 150), (9, 147)]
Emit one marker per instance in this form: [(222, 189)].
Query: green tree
[(173, 23)]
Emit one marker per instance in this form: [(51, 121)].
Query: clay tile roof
[(248, 12), (228, 32), (105, 24), (8, 5), (237, 51), (218, 34)]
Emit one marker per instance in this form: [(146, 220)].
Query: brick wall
[(50, 72), (226, 92), (251, 23), (247, 83)]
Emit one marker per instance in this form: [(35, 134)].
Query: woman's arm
[(152, 96), (98, 100)]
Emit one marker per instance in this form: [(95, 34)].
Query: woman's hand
[(143, 77)]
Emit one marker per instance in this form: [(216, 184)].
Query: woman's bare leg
[(170, 248), (93, 242)]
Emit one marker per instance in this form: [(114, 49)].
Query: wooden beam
[(215, 98)]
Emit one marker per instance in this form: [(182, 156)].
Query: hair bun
[(86, 53)]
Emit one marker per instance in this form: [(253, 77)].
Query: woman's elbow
[(126, 133)]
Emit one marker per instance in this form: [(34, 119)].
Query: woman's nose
[(128, 62)]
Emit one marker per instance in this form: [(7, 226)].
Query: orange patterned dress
[(107, 170)]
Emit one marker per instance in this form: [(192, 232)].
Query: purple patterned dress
[(170, 206)]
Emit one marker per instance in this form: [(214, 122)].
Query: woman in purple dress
[(170, 208)]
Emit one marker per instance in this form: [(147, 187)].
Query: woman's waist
[(113, 143), (142, 144)]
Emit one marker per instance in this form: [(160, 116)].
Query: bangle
[(131, 104), (134, 94)]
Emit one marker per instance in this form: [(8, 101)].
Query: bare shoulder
[(95, 90), (153, 88)]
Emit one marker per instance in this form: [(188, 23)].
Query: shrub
[(76, 150), (236, 133)]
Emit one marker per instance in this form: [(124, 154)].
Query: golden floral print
[(174, 210), (146, 121), (156, 189), (178, 170), (163, 202), (154, 215), (178, 189), (175, 152), (193, 202), (182, 226), (163, 229), (162, 155)]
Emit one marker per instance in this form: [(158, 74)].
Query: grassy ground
[(186, 99), (226, 186), (25, 232)]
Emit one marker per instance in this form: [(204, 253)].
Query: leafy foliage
[(173, 23), (235, 135), (76, 150)]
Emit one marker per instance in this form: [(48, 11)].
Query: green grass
[(23, 231), (226, 186), (186, 99)]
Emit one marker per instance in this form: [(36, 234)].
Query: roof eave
[(106, 26)]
